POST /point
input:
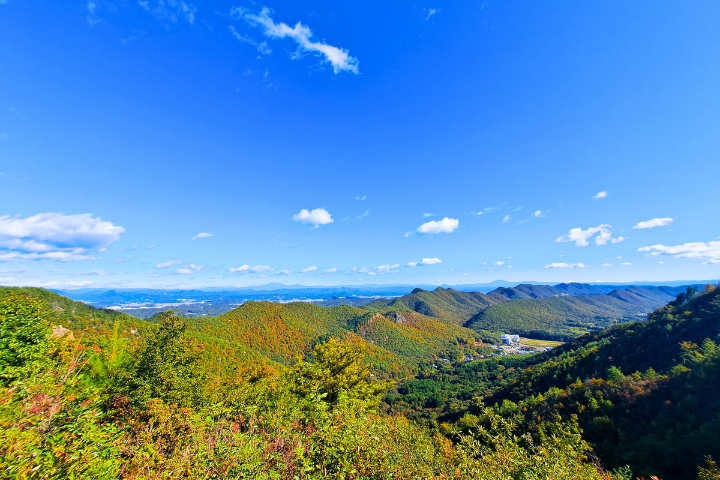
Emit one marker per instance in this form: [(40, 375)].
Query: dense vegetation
[(286, 391), (644, 393), (558, 312), (109, 403)]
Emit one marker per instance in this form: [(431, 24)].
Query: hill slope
[(658, 420), (445, 303)]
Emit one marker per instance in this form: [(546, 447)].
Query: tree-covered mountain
[(644, 392), (102, 399), (444, 303), (559, 312)]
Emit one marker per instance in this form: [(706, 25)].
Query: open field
[(539, 343)]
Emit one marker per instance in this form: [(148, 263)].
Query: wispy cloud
[(285, 272), (331, 270), (249, 269), (600, 195), (363, 215), (202, 235), (381, 269), (361, 199), (170, 10), (431, 12), (446, 225), (580, 236), (83, 283), (655, 222), (538, 213), (169, 264), (316, 217), (707, 251), (309, 269), (499, 262), (191, 269), (566, 265), (301, 34), (506, 219), (262, 47)]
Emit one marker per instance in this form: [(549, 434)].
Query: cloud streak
[(655, 222), (301, 34), (202, 235), (707, 251), (249, 269), (581, 237), (566, 265), (262, 47)]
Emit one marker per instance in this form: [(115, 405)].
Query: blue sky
[(437, 142)]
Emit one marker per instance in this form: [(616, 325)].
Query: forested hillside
[(286, 391), (105, 401), (644, 393), (559, 312)]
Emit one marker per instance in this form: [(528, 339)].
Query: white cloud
[(55, 236), (538, 213), (580, 236), (430, 261), (331, 270), (152, 246), (169, 264), (499, 262), (285, 272), (170, 10), (302, 35), (425, 261), (249, 269), (607, 265), (600, 195), (707, 251), (428, 214), (192, 269), (84, 283), (380, 270), (309, 269), (431, 12), (262, 47), (506, 219), (566, 265), (361, 199), (626, 263), (202, 235), (363, 215), (446, 225), (407, 234), (316, 217), (655, 222)]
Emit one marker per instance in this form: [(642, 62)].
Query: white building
[(508, 339)]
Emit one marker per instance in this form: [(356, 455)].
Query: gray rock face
[(399, 318)]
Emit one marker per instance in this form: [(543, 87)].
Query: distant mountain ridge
[(561, 311)]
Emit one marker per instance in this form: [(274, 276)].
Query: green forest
[(299, 391)]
